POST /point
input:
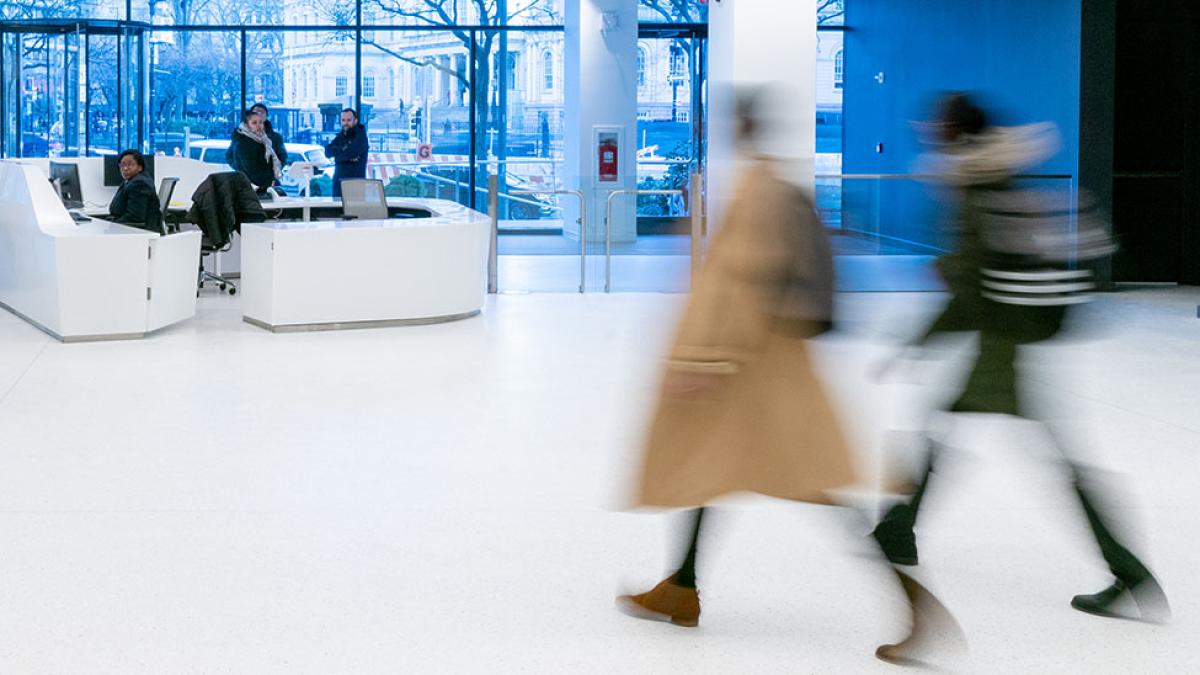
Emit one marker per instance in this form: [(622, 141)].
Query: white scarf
[(993, 155), (262, 137)]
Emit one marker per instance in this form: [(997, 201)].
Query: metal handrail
[(608, 227), (697, 208), (457, 184), (508, 195), (927, 176), (582, 221), (664, 161), (494, 216)]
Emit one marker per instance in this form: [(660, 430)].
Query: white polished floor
[(445, 499)]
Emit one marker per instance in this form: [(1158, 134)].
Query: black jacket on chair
[(136, 204), (221, 204)]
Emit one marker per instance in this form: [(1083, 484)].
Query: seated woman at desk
[(255, 153), (136, 201)]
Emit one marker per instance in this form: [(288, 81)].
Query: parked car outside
[(213, 152)]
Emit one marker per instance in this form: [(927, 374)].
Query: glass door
[(521, 141), (72, 88), (672, 91)]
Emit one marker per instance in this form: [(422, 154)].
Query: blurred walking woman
[(255, 153), (741, 408)]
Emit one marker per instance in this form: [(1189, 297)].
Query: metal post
[(697, 205), (494, 212), (608, 240), (582, 220), (583, 235), (608, 227)]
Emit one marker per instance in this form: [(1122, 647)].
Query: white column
[(751, 42), (600, 88)]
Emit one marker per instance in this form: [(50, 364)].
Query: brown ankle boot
[(932, 626), (665, 602)]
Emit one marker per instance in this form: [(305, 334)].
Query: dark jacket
[(992, 386), (348, 150), (136, 204), (221, 204), (276, 142), (250, 157)]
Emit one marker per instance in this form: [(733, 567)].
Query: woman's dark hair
[(137, 157), (247, 114), (961, 115), (352, 111), (259, 106)]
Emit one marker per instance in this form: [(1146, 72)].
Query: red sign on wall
[(607, 152)]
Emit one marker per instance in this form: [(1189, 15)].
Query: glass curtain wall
[(416, 101), (453, 91), (11, 90), (104, 94), (195, 92), (830, 83), (671, 86), (38, 102), (520, 128), (72, 87)]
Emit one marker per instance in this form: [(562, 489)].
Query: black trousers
[(992, 388)]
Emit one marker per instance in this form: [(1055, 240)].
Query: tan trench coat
[(766, 425)]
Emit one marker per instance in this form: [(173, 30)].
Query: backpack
[(1037, 247)]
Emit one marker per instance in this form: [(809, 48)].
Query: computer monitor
[(112, 170), (66, 176)]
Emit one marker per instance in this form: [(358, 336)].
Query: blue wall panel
[(1022, 56)]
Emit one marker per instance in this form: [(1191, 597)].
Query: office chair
[(165, 190), (157, 222), (219, 206), (363, 198)]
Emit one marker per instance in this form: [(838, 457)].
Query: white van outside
[(213, 152)]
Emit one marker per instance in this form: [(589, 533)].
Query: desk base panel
[(354, 325), (72, 338)]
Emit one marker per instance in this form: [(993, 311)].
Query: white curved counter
[(92, 281), (324, 275)]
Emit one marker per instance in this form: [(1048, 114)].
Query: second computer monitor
[(67, 178)]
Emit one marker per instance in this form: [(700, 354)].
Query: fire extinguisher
[(608, 161)]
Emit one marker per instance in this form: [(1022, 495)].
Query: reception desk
[(96, 195), (323, 275), (89, 281)]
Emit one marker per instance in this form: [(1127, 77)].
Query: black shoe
[(895, 535), (1148, 601)]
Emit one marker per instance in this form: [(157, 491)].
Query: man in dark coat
[(348, 150), (136, 201)]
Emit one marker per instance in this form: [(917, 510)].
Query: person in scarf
[(254, 153), (276, 139)]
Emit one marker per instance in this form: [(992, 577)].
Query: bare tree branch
[(672, 11), (828, 10)]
